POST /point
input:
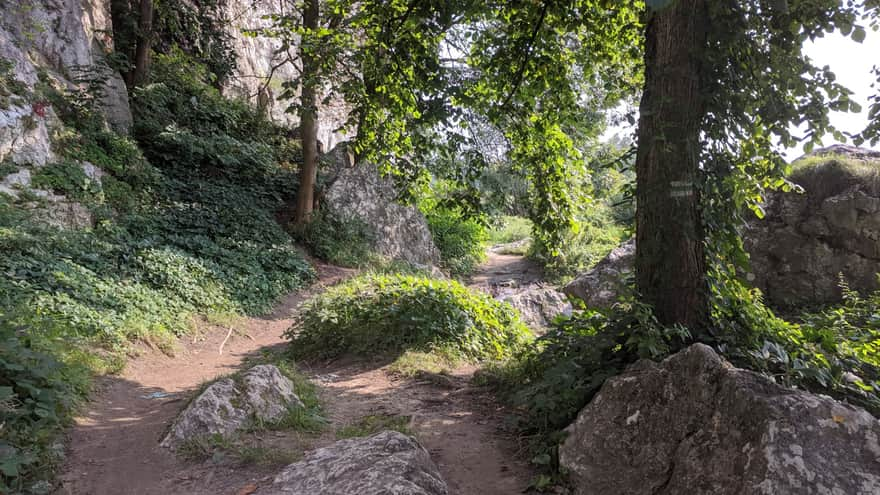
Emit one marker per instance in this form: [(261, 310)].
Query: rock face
[(599, 287), (538, 306), (261, 394), (63, 37), (693, 424), (255, 58), (385, 463), (806, 240), (401, 231)]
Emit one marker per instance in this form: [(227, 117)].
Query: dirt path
[(501, 272), (114, 447)]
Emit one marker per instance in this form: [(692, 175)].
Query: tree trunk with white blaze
[(670, 259)]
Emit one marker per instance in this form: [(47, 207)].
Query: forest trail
[(113, 447), (502, 272)]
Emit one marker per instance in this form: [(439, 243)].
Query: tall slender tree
[(308, 115)]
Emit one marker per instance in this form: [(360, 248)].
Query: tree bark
[(308, 121), (670, 260), (144, 44)]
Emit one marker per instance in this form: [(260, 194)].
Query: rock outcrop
[(260, 71), (261, 394), (63, 38), (385, 463), (402, 232), (807, 240), (599, 287), (694, 424), (538, 306)]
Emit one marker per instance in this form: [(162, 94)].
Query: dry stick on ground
[(220, 351)]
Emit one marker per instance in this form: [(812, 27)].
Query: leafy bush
[(391, 313), (341, 241), (66, 178), (509, 229), (597, 234), (461, 240), (554, 379), (37, 395)]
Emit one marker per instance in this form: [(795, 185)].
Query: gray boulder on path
[(359, 191), (599, 287), (387, 463), (538, 306), (694, 424), (261, 394)]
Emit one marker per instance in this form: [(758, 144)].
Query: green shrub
[(37, 396), (507, 229), (341, 241), (67, 178), (391, 313), (596, 236), (461, 240)]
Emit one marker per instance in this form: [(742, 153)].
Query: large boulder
[(694, 424), (806, 241), (538, 305), (599, 287), (385, 463), (261, 394), (402, 232)]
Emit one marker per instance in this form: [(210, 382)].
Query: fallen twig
[(228, 334)]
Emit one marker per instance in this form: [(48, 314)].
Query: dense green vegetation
[(387, 314), (506, 123), (187, 227), (461, 240), (341, 241)]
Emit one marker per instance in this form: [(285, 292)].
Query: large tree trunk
[(144, 44), (670, 262), (308, 122)]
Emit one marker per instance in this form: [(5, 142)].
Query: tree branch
[(518, 78)]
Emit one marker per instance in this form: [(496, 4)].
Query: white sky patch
[(851, 62)]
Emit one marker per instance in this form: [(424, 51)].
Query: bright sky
[(851, 62)]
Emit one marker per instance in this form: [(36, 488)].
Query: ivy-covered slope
[(184, 223)]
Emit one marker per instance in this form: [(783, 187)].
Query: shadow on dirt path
[(113, 447)]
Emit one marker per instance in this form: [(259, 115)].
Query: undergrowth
[(184, 223), (460, 240), (385, 314), (835, 351), (342, 241)]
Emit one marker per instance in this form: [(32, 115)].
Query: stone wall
[(806, 241), (802, 246)]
